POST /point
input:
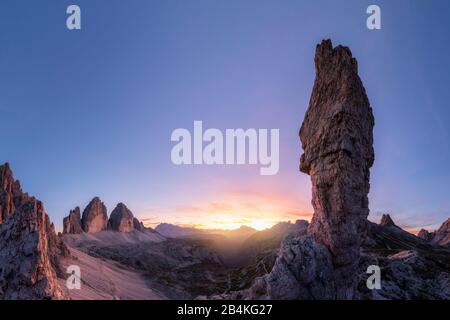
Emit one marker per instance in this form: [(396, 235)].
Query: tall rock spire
[(337, 138), (95, 217), (72, 223), (386, 220), (10, 192)]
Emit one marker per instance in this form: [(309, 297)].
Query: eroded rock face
[(95, 217), (10, 192), (121, 219), (337, 138), (72, 223), (303, 270), (30, 249)]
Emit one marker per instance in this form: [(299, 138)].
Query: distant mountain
[(277, 232), (441, 236), (226, 243), (173, 231), (240, 234), (269, 239)]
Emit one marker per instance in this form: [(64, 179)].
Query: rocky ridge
[(72, 223), (440, 236), (30, 251)]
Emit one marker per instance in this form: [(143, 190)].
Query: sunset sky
[(90, 113)]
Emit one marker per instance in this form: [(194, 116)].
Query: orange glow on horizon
[(259, 203), (233, 210)]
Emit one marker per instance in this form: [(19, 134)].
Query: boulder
[(440, 236)]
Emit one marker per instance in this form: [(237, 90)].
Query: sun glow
[(260, 225), (233, 216), (232, 210), (236, 224)]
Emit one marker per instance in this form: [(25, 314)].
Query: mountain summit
[(386, 220), (121, 219)]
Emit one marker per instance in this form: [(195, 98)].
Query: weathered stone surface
[(10, 192), (440, 236), (30, 249), (406, 275), (121, 219), (72, 223), (303, 270), (95, 217), (337, 138)]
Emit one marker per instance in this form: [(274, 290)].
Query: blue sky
[(90, 113)]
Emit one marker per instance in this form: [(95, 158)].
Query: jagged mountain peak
[(30, 249), (386, 220), (121, 219), (95, 217), (445, 227)]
